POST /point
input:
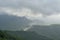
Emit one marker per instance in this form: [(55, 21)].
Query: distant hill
[(51, 31), (23, 35)]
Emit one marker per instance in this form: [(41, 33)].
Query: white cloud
[(45, 7), (47, 11)]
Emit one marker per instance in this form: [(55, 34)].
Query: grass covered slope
[(51, 31), (5, 36), (21, 35)]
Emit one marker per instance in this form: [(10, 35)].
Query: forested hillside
[(21, 35)]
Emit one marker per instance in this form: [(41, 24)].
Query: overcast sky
[(47, 11)]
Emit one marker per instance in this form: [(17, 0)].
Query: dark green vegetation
[(5, 36), (21, 35)]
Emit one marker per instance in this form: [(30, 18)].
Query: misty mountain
[(10, 22), (51, 31)]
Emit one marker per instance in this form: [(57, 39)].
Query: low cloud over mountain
[(10, 22)]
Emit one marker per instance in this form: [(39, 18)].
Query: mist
[(38, 12)]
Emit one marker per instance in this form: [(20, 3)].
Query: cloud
[(51, 19), (35, 10), (29, 12), (45, 7)]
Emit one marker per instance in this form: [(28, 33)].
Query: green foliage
[(21, 35), (5, 36)]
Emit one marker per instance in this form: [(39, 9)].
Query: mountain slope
[(10, 22), (5, 36), (28, 35), (21, 35), (51, 31)]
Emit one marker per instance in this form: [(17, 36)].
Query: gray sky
[(47, 11)]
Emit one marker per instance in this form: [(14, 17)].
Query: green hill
[(21, 35), (5, 36)]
